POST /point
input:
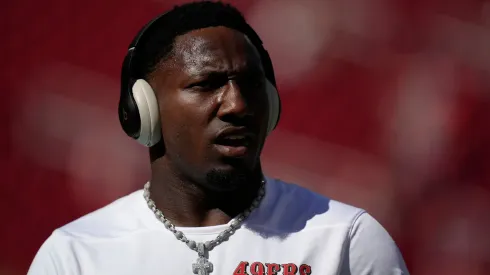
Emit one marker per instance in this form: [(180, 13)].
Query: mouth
[(234, 142)]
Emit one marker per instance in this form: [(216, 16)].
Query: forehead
[(215, 49)]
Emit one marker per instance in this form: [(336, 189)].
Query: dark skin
[(212, 80)]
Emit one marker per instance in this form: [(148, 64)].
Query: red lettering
[(289, 269), (304, 269), (241, 269), (257, 268), (273, 269)]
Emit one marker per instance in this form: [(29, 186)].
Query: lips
[(234, 141)]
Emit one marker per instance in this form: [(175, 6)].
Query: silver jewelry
[(202, 265)]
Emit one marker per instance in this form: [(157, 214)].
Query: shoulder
[(323, 208), (368, 235), (118, 219), (53, 256), (121, 217), (297, 209), (288, 205)]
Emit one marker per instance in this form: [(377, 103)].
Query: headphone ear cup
[(146, 101), (274, 106)]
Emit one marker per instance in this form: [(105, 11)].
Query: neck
[(187, 203)]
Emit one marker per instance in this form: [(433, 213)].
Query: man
[(199, 90)]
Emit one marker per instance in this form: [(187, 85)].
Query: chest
[(244, 254)]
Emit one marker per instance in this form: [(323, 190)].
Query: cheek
[(176, 127), (184, 121)]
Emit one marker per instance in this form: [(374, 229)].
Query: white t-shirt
[(293, 231)]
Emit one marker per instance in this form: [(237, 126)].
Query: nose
[(232, 103)]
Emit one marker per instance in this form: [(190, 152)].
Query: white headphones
[(138, 107), (146, 102)]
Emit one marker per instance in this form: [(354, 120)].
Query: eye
[(200, 84), (209, 83)]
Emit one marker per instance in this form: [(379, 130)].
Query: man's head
[(205, 66)]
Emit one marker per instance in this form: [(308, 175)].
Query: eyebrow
[(208, 69)]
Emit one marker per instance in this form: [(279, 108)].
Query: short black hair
[(158, 40)]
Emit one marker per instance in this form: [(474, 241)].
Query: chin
[(224, 179)]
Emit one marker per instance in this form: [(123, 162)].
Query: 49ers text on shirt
[(258, 268)]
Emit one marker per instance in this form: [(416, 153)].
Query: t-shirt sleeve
[(46, 260), (372, 250)]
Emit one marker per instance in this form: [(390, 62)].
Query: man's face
[(213, 107)]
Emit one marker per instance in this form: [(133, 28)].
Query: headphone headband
[(144, 30)]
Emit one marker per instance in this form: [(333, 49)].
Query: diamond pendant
[(202, 265)]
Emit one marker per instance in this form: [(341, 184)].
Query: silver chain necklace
[(202, 265)]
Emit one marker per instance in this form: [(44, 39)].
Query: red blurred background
[(386, 106)]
